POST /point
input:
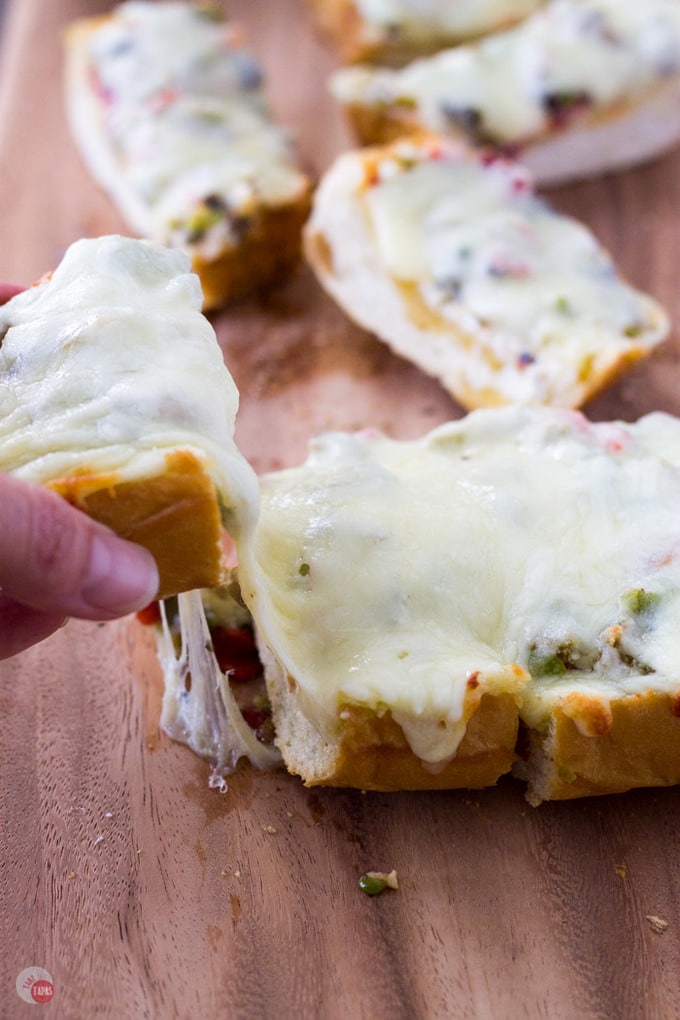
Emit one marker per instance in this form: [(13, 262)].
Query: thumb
[(56, 559)]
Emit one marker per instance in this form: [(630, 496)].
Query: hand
[(56, 562), (8, 290)]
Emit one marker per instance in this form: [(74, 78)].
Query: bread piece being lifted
[(448, 256), (114, 393), (417, 601), (169, 114), (395, 31), (578, 88)]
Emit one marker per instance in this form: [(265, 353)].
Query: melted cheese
[(478, 242), (169, 112), (522, 303), (517, 85), (203, 713), (424, 20), (109, 365), (524, 547)]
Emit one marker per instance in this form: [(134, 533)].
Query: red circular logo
[(35, 985), (42, 991)]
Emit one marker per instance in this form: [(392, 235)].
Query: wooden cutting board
[(145, 894)]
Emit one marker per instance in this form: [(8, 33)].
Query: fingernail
[(121, 577)]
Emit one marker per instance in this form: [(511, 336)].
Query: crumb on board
[(98, 840), (269, 829), (657, 924), (621, 870)]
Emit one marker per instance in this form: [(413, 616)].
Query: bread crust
[(356, 39), (368, 751), (174, 514), (373, 753), (592, 747), (267, 254)]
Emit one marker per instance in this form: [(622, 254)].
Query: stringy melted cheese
[(523, 547), (173, 122), (514, 86), (199, 708)]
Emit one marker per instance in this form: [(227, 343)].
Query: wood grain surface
[(144, 893)]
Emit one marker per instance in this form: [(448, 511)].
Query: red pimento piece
[(150, 614), (255, 717), (506, 265), (521, 185), (434, 149), (162, 99), (99, 88), (236, 652), (231, 36), (489, 156)]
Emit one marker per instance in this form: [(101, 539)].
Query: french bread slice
[(578, 88), (395, 32), (415, 601), (114, 393), (448, 256), (169, 114)]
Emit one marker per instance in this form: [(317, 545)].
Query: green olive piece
[(372, 886)]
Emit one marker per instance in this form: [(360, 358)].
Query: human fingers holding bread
[(56, 562)]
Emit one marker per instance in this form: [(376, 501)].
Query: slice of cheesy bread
[(505, 589), (395, 31), (168, 111), (449, 256), (114, 393), (579, 87)]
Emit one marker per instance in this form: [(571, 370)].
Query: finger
[(8, 290), (56, 559), (21, 626)]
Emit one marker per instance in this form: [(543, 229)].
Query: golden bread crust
[(369, 751), (341, 22), (594, 747), (374, 755), (386, 122), (175, 515), (356, 39), (267, 254)]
